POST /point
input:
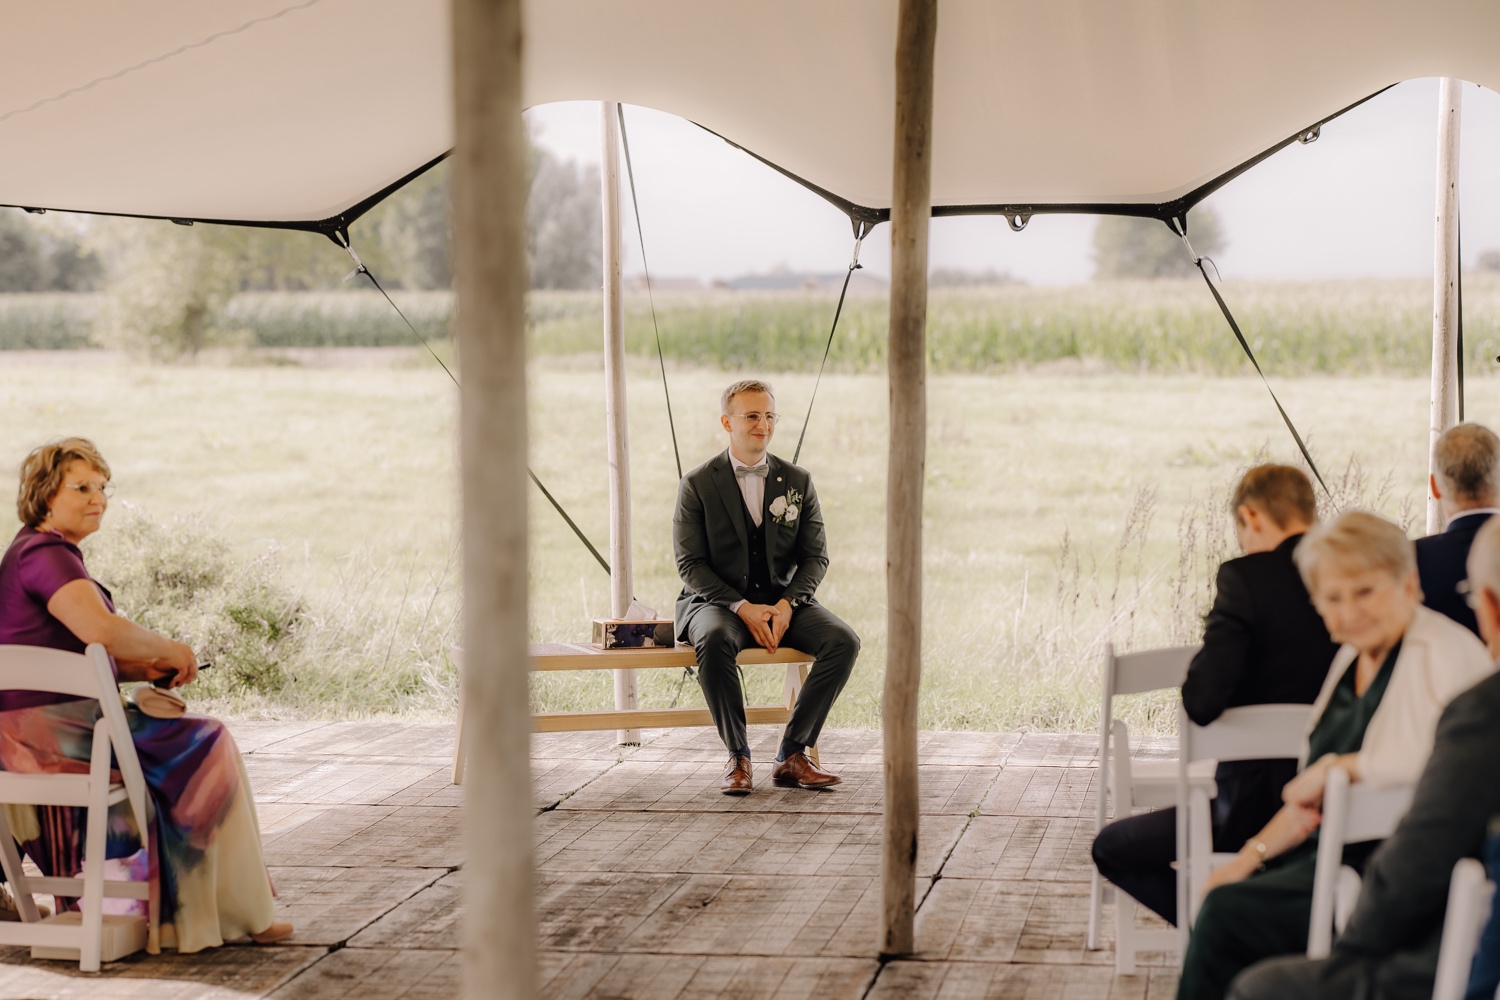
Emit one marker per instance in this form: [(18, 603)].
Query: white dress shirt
[(753, 489)]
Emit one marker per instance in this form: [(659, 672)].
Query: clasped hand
[(179, 667), (767, 622)]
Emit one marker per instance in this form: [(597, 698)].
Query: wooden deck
[(650, 884)]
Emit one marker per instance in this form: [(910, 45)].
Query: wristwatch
[(1259, 847)]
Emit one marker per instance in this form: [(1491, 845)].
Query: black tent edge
[(1017, 214), (331, 227)]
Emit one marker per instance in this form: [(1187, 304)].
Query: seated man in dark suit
[(748, 535), (1389, 949), (1263, 644), (1465, 462)]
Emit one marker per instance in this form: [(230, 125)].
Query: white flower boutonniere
[(786, 509)]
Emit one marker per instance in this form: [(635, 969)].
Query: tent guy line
[(640, 233), (361, 268), (1199, 262)]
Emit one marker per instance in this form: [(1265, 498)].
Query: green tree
[(563, 223), (1126, 247), (40, 255)]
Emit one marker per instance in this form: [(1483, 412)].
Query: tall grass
[(1347, 327), (55, 321), (1330, 327)]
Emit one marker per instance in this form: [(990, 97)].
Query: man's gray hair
[(743, 385), (1484, 559), (1465, 460)]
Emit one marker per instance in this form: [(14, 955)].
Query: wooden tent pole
[(489, 242), (1445, 265), (911, 216), (617, 432)]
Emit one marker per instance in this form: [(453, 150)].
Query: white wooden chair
[(1252, 732), (1352, 814), (1469, 897), (1125, 785), (92, 936)]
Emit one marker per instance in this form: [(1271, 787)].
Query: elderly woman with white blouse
[(1399, 666)]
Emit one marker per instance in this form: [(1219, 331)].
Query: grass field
[(1064, 509)]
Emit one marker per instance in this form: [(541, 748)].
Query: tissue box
[(612, 633)]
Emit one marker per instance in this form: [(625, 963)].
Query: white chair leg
[(1125, 945), (92, 941), (1096, 904), (15, 874)]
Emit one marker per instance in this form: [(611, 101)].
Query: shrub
[(181, 580)]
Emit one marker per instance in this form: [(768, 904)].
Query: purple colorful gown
[(203, 856)]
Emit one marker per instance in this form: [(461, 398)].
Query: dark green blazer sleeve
[(1405, 892), (690, 545)]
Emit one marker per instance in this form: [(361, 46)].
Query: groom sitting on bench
[(748, 536)]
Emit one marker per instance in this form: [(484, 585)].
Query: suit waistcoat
[(760, 590)]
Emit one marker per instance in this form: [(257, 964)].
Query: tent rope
[(651, 298), (861, 230), (1179, 227), (360, 268)]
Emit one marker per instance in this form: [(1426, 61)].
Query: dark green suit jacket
[(712, 546), (1391, 942)]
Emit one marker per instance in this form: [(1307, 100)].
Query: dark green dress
[(1268, 913)]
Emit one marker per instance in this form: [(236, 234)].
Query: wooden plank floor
[(650, 884)]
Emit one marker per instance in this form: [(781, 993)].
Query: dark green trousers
[(1262, 917), (718, 635)]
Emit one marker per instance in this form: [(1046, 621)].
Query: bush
[(182, 581)]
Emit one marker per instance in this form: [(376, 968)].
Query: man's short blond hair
[(1281, 492), (1465, 460), (743, 385), (42, 475), (1354, 542)]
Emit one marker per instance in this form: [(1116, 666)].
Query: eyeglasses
[(88, 490), (769, 419)]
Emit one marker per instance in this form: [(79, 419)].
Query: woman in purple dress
[(203, 856)]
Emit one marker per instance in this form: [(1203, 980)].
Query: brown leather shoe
[(736, 780), (799, 772)]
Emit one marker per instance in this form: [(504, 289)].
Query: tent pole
[(1444, 412), (617, 432), (911, 217), (489, 213)]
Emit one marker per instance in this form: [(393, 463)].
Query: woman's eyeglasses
[(89, 490)]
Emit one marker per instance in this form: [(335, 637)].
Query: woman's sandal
[(280, 930)]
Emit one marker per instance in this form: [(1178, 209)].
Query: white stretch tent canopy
[(270, 111)]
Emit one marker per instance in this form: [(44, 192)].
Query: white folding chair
[(1252, 732), (92, 936), (1469, 896), (1352, 814), (1125, 785)]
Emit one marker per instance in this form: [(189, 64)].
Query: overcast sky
[(1358, 202)]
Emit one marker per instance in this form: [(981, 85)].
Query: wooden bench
[(582, 656)]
